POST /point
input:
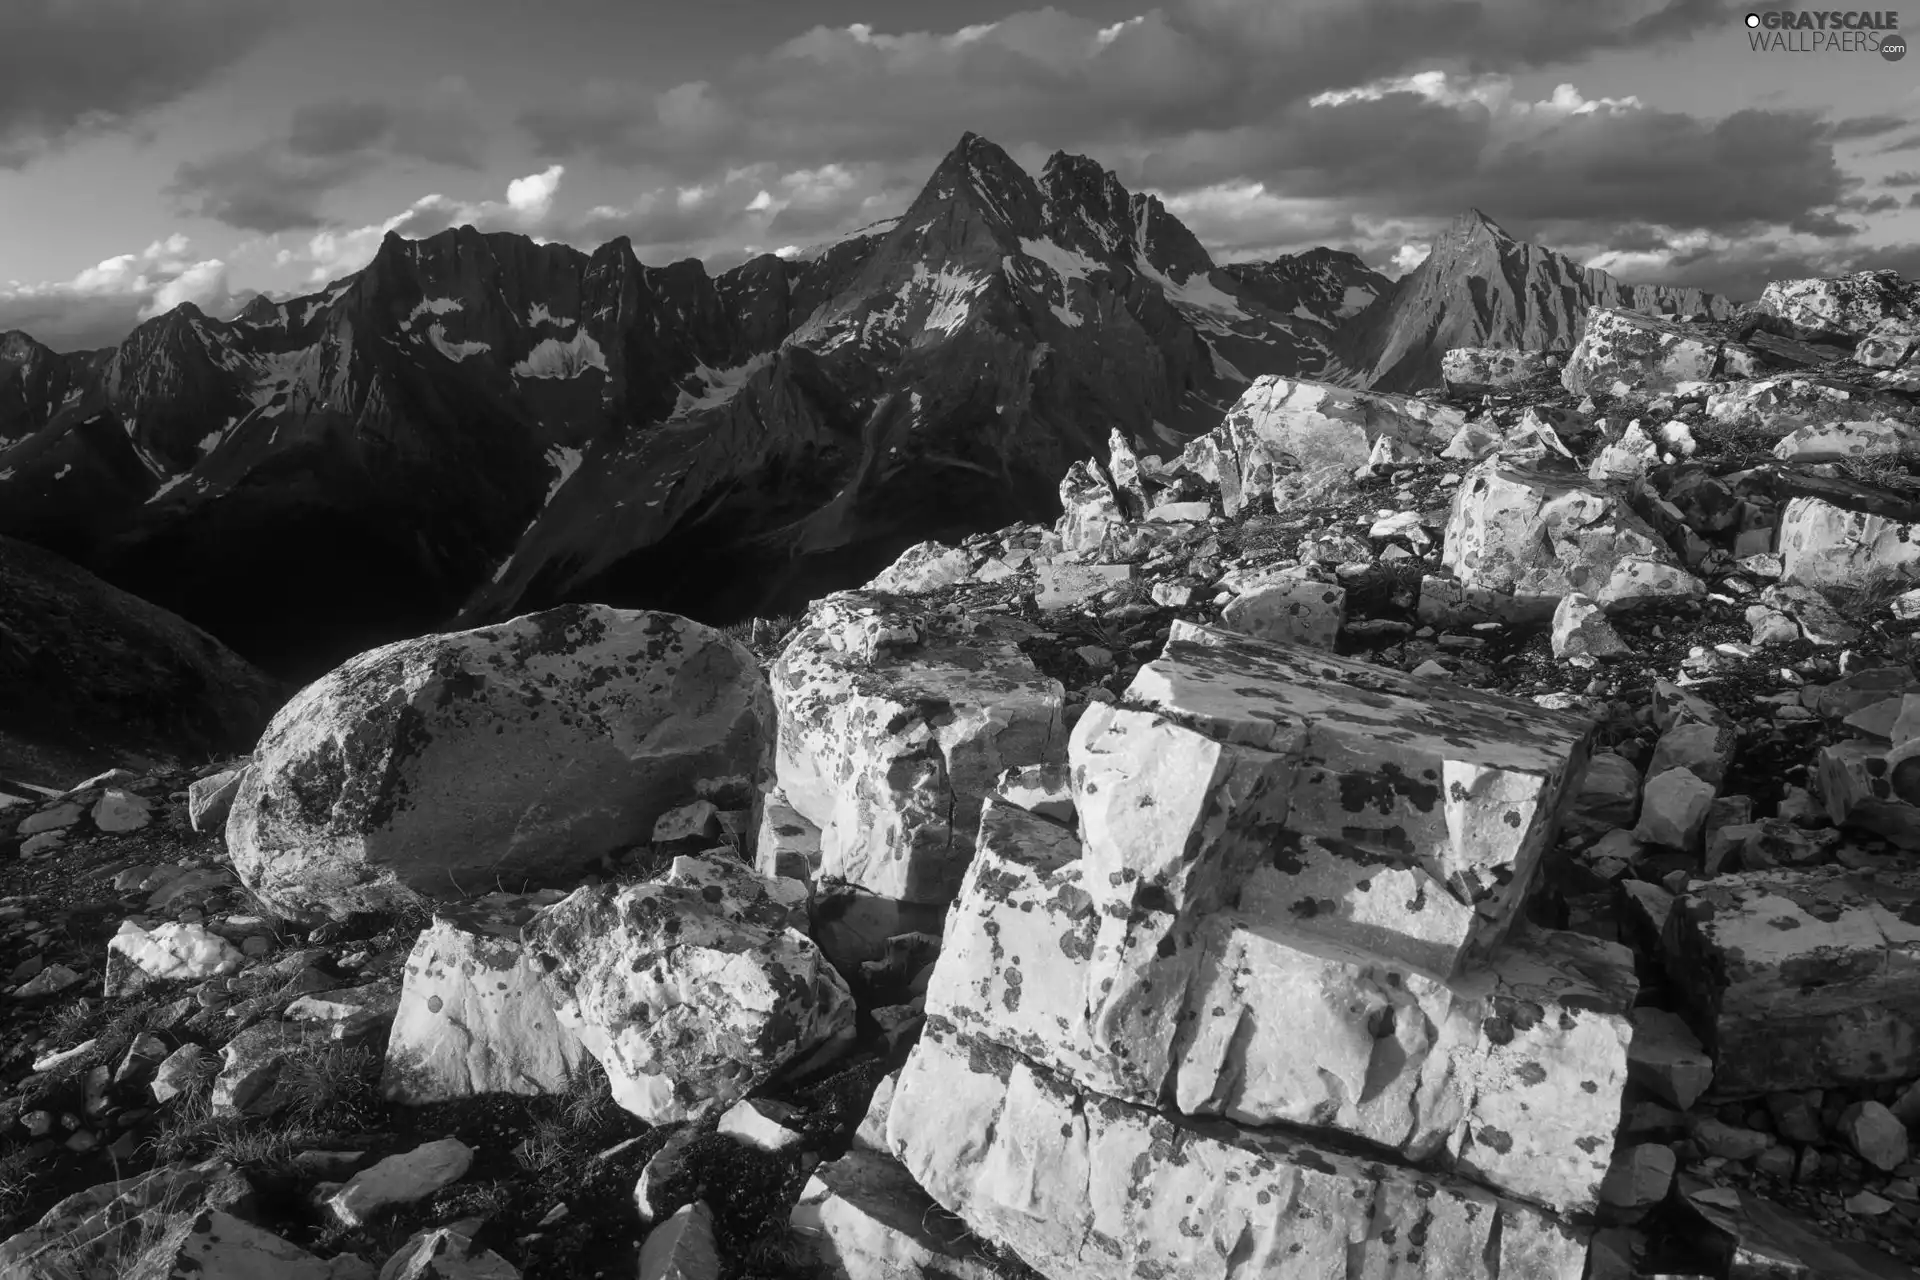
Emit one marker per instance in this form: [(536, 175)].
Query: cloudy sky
[(159, 151)]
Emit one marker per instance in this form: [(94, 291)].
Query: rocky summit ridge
[(1467, 834), (477, 425)]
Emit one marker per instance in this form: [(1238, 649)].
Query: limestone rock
[(1801, 979), (171, 952), (250, 1069), (1248, 1020), (1085, 1188), (1284, 424), (1838, 441), (691, 987), (219, 1246), (120, 811), (1640, 1178), (921, 569), (1581, 633), (474, 1016), (1673, 809), (400, 1179), (1666, 1058), (210, 799), (1876, 1134), (54, 818), (890, 753), (1412, 835), (1540, 536), (1299, 611), (447, 1253), (1073, 586), (1090, 510), (1840, 308), (788, 844), (1702, 750), (682, 1247), (1822, 545), (1645, 352), (1779, 405), (115, 1228), (1478, 370), (863, 1217), (454, 764), (761, 1124), (181, 1068)]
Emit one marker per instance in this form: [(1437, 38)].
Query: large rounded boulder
[(511, 756)]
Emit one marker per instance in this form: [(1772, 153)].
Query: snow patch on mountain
[(953, 295), (1067, 263), (565, 462), (1065, 315), (718, 385), (1197, 292), (430, 306), (169, 485), (61, 474), (537, 314), (553, 358), (454, 350), (1354, 301)]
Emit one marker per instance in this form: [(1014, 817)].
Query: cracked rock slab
[(1397, 815), (1084, 1187), (1512, 1072)]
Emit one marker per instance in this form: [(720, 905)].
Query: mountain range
[(476, 425)]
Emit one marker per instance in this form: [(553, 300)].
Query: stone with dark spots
[(427, 770)]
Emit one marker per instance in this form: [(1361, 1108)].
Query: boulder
[(889, 748), (400, 1179), (1801, 979), (1397, 815), (448, 1253), (682, 1247), (1478, 370), (117, 1228), (1083, 1187), (210, 799), (1540, 536), (1823, 545), (1640, 1178), (923, 568), (219, 1246), (1089, 509), (1645, 352), (1284, 424), (863, 1216), (1875, 1134), (474, 1016), (1666, 1058), (787, 844), (692, 989), (1780, 405), (1841, 441), (1298, 610), (250, 1066), (507, 757), (1261, 1026), (1581, 633), (1673, 809), (1840, 309), (171, 952), (117, 811), (1076, 586)]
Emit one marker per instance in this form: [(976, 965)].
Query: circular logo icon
[(1753, 19), (1893, 46)]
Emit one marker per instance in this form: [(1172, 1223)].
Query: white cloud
[(1406, 258), (532, 196), (1494, 92), (98, 304)]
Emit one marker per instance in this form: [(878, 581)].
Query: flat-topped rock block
[(1801, 979), (892, 729), (1643, 351), (1084, 1187), (1401, 816), (1511, 1073)]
